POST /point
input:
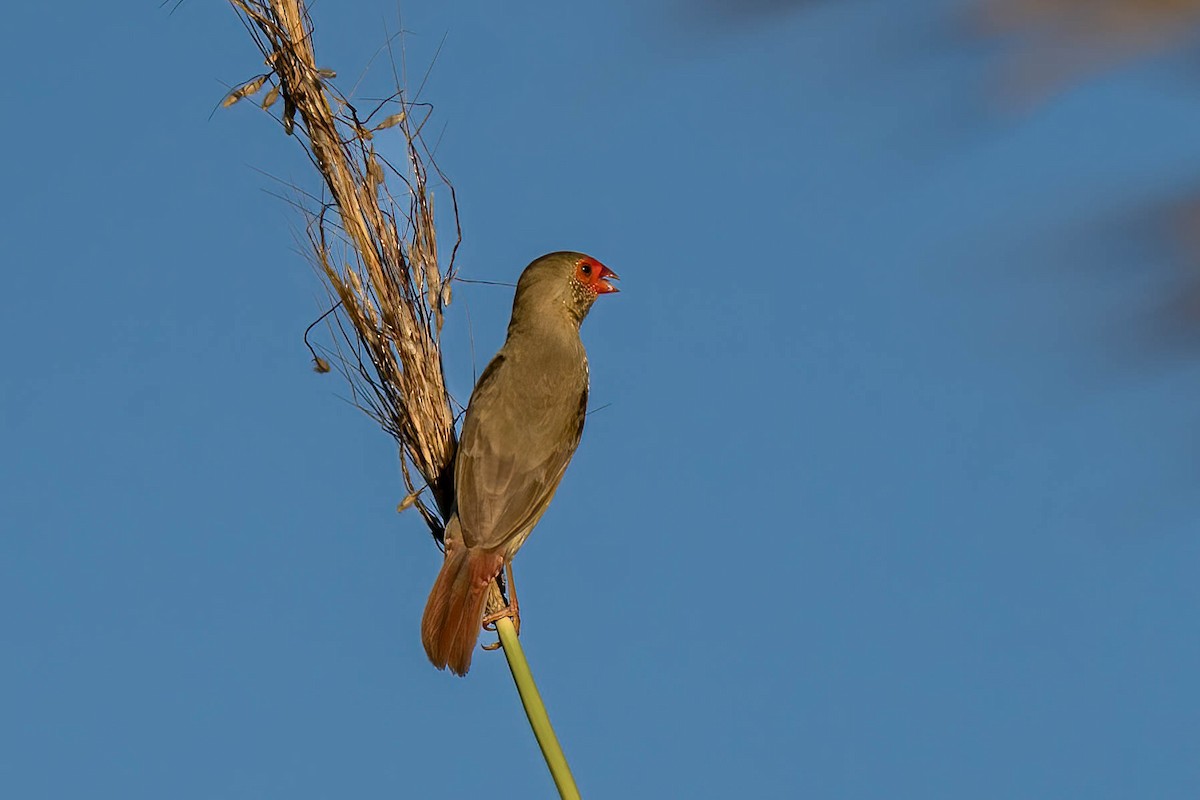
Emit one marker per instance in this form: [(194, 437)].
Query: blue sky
[(893, 495)]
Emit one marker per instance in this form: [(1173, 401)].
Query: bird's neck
[(557, 322)]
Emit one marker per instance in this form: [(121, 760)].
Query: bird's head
[(564, 280)]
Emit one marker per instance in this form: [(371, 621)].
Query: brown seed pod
[(394, 119), (407, 502)]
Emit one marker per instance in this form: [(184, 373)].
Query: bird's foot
[(489, 622), (508, 591)]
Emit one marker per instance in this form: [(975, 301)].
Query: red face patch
[(594, 276)]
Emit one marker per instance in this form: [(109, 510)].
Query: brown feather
[(453, 615)]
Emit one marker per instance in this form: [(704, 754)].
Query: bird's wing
[(515, 447)]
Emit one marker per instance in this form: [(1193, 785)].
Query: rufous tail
[(454, 612)]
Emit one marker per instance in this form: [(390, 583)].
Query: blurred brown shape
[(752, 7), (721, 14), (1184, 222), (1064, 40), (1159, 241)]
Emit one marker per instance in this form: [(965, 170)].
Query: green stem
[(536, 711)]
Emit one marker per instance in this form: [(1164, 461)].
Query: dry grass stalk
[(393, 293)]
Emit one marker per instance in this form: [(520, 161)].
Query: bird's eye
[(585, 268)]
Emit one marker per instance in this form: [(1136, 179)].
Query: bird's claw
[(508, 592), (489, 622)]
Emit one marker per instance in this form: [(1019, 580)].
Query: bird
[(522, 426)]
